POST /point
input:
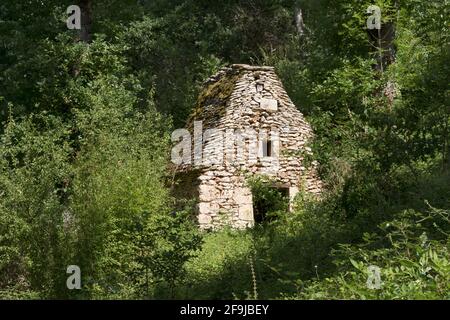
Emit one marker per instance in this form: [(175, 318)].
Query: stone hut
[(244, 124)]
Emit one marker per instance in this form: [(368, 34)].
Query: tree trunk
[(299, 21), (85, 34), (86, 20), (383, 41)]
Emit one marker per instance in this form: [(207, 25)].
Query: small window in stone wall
[(259, 87), (267, 148)]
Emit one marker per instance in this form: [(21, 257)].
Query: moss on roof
[(213, 99)]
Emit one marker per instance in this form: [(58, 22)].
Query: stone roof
[(214, 98)]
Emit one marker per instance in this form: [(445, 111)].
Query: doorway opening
[(269, 202)]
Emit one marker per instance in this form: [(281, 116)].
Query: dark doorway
[(268, 202)]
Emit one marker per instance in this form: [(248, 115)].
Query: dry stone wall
[(243, 108)]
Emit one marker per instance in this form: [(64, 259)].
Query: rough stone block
[(204, 219), (207, 193), (270, 105), (246, 212), (242, 199), (203, 208)]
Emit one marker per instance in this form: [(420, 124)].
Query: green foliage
[(317, 252), (220, 270), (89, 189), (268, 201), (413, 265), (84, 150), (34, 167)]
